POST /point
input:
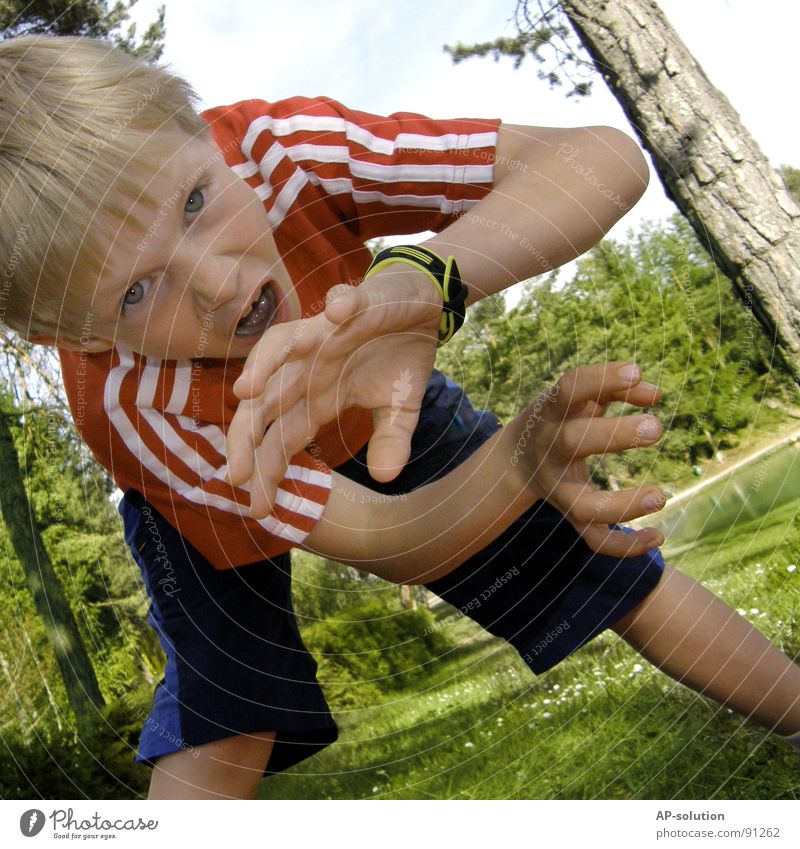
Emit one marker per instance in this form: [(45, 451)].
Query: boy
[(156, 266)]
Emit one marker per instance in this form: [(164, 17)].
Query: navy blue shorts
[(236, 663)]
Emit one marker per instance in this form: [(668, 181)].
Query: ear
[(89, 345)]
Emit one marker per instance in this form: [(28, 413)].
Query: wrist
[(517, 454), (404, 284), (443, 275), (402, 299)]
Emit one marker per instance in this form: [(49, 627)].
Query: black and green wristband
[(443, 274)]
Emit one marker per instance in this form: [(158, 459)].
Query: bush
[(58, 765), (322, 589), (374, 648)]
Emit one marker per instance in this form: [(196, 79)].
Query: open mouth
[(261, 314)]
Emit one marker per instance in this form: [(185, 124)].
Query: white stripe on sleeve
[(287, 196), (245, 169)]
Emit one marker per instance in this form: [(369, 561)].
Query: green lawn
[(600, 725)]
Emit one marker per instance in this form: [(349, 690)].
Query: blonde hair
[(78, 117)]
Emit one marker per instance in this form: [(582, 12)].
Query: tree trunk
[(51, 604), (407, 597), (709, 164)]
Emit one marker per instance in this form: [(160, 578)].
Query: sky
[(387, 56)]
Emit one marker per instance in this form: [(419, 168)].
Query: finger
[(283, 390), (593, 409), (396, 299), (286, 437), (390, 445), (618, 543), (244, 433), (578, 438), (268, 355), (589, 506), (641, 395), (343, 302), (596, 382), (357, 320)]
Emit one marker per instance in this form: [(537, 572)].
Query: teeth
[(261, 314)]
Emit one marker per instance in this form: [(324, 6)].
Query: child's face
[(197, 274)]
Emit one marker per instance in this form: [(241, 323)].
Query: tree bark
[(80, 682), (407, 597), (709, 164)]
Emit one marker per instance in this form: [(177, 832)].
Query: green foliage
[(83, 17), (365, 642), (322, 589), (656, 299), (65, 485), (544, 35), (374, 648), (108, 601), (791, 176), (69, 495), (55, 764), (110, 604)]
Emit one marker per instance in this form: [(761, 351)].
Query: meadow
[(604, 724)]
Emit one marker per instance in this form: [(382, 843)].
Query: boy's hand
[(373, 347), (563, 427)]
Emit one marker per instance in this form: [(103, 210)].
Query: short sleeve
[(380, 176)]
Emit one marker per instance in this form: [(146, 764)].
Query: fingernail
[(631, 372), (648, 428), (654, 501), (649, 386)]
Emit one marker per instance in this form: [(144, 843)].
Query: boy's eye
[(195, 201), (134, 294)]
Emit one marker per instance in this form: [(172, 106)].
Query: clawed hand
[(373, 347), (564, 426)]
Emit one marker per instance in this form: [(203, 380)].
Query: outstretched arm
[(556, 192), (541, 455)]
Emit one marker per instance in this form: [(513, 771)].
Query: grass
[(601, 725)]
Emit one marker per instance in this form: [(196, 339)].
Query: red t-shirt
[(330, 178)]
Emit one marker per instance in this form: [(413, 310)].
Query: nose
[(210, 279)]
